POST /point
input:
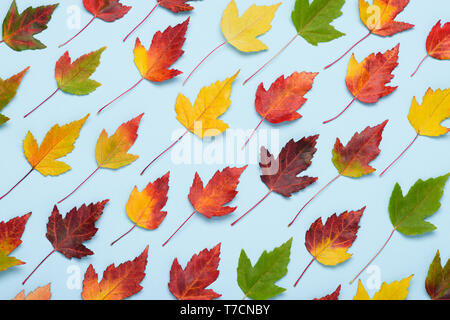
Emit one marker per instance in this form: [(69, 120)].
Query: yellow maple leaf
[(213, 101), (397, 290), (58, 142), (241, 32), (426, 118)]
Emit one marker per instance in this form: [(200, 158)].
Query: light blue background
[(266, 227)]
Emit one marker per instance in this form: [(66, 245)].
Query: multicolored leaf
[(41, 293), (10, 234), (438, 41), (200, 272), (19, 28), (8, 90), (397, 290), (107, 10), (118, 282), (258, 281), (437, 282)]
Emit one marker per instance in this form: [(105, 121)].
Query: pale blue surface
[(266, 227)]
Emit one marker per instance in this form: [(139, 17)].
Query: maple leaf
[(8, 90), (367, 80), (10, 235), (201, 118), (328, 243), (41, 293), (154, 64), (437, 282), (19, 28), (397, 290), (258, 281), (284, 97), (112, 152), (210, 200), (173, 5), (73, 77), (280, 174), (379, 18), (68, 234), (332, 296), (200, 272), (144, 208), (426, 119), (408, 213), (354, 159), (438, 44), (242, 32), (58, 142), (118, 282), (106, 10), (312, 22)]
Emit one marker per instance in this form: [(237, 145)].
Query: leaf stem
[(273, 58), (111, 102), (246, 142), (126, 233), (10, 190), (185, 221), (214, 50), (162, 153), (418, 67), (132, 31), (307, 267), (351, 48), (401, 154), (41, 103), (79, 185), (48, 256), (296, 216), (248, 211), (332, 119), (379, 251), (88, 24)]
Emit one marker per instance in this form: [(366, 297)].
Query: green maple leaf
[(312, 21), (258, 282), (437, 282), (408, 213)]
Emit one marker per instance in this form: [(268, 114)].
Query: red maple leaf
[(107, 10), (332, 296), (200, 272), (176, 5)]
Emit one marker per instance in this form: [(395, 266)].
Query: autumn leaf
[(68, 234), (328, 243), (10, 235), (379, 18), (426, 119), (41, 293), (438, 44), (210, 200), (74, 77), (312, 22), (201, 118), (332, 296), (173, 5), (437, 282), (201, 271), (367, 81), (284, 97), (397, 290), (112, 152), (258, 281), (8, 90), (242, 32), (106, 10), (154, 63), (58, 142), (408, 213), (280, 174), (144, 207), (19, 29), (118, 282)]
